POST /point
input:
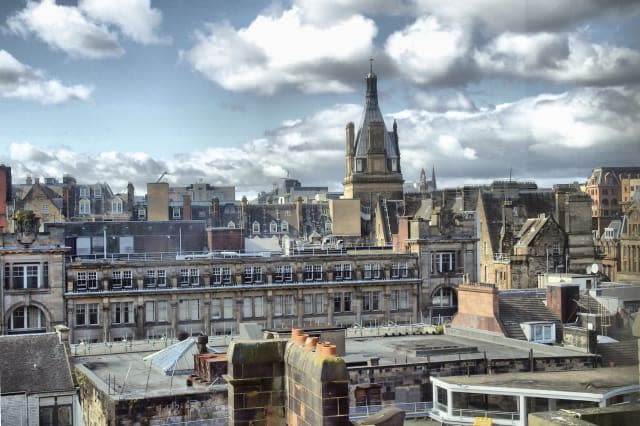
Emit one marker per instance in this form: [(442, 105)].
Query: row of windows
[(222, 275), (26, 275), (222, 308), (84, 206)]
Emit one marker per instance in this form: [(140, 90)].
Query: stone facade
[(32, 285), (108, 301)]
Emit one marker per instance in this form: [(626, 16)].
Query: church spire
[(372, 87)]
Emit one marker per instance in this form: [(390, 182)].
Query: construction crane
[(161, 176)]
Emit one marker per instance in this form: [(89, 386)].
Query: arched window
[(27, 319), (256, 227), (284, 226), (231, 225), (116, 205), (85, 207), (273, 227)]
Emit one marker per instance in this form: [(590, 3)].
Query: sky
[(246, 93)]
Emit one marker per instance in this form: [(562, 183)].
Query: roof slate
[(34, 363)]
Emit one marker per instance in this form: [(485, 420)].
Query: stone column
[(357, 305), (268, 308), (106, 321), (140, 319), (71, 320), (206, 312), (300, 308), (386, 304), (173, 316), (329, 306)]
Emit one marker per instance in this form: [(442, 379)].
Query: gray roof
[(34, 363), (372, 114)]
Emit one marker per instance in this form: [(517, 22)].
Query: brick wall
[(478, 307)]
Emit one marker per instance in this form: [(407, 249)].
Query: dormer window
[(255, 227), (116, 206), (84, 191), (97, 192), (359, 165), (273, 227)]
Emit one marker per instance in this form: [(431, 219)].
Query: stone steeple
[(372, 153)]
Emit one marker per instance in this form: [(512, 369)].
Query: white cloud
[(441, 103), (429, 51), (135, 18), (19, 81), (67, 29), (562, 58), (490, 16), (282, 50), (559, 137)]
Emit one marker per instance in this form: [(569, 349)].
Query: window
[(273, 227), (116, 280), (116, 206), (443, 297), (127, 279), (346, 301), (443, 262), (155, 278), (216, 310), (252, 274), (231, 225), (84, 207), (372, 271), (175, 213), (313, 272), (84, 191), (258, 310), (247, 308), (45, 209), (371, 301), (284, 226), (543, 333), (142, 213), (278, 307), (255, 227), (399, 300), (228, 308), (122, 312), (337, 302), (27, 318), (189, 310), (342, 271), (55, 411), (184, 277), (308, 304), (217, 275), (289, 305), (150, 311), (26, 275), (194, 277), (319, 298), (163, 311), (86, 314), (226, 275), (399, 270), (328, 227), (359, 165), (284, 273)]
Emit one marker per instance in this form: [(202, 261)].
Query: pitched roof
[(34, 363), (518, 307)]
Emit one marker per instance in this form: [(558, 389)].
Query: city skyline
[(246, 95)]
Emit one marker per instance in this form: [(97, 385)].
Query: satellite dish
[(588, 271), (594, 268)]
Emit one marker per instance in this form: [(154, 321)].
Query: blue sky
[(245, 92)]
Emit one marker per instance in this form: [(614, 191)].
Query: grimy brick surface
[(318, 388), (256, 383)]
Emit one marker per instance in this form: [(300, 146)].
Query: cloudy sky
[(247, 92)]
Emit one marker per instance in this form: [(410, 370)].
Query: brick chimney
[(186, 207), (561, 300), (478, 307)]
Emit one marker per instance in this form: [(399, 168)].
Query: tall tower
[(372, 155)]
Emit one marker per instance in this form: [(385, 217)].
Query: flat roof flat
[(592, 381)]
